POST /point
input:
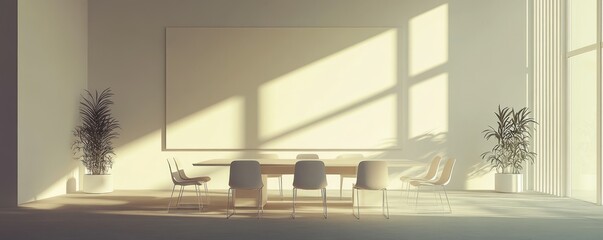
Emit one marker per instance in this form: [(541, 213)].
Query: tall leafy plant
[(93, 138), (513, 136)]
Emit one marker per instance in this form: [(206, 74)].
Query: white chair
[(371, 175), (201, 179), (429, 176), (247, 175), (310, 175), (442, 181), (342, 176), (178, 181)]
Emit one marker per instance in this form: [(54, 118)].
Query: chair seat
[(203, 179), (421, 183), (187, 182)]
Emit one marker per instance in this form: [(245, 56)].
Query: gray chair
[(310, 175), (247, 175), (178, 181), (371, 175)]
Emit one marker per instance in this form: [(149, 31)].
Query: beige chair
[(442, 181), (342, 176), (247, 175), (371, 175), (310, 175), (201, 179), (429, 176), (178, 181)]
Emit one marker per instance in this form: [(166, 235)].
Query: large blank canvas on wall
[(281, 88)]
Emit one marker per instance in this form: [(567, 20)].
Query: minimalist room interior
[(301, 119)]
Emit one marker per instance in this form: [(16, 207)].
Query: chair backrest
[(372, 175), (351, 155), (245, 174), (180, 171), (433, 168), (310, 174), (446, 173), (175, 176), (307, 156)]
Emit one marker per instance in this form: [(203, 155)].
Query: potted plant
[(512, 149), (93, 140)]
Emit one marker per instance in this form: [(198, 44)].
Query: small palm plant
[(93, 138), (513, 136)]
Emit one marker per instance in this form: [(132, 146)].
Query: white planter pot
[(508, 183), (98, 184)]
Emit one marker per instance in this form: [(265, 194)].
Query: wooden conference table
[(345, 166)]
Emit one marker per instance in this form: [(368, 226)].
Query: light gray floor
[(141, 215)]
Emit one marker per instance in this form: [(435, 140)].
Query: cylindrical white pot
[(98, 184), (508, 183)]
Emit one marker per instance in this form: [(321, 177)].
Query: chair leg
[(408, 192), (417, 197), (435, 194), (171, 196), (449, 208), (440, 196), (234, 201), (353, 200), (383, 202), (340, 187), (228, 204), (259, 199), (357, 203), (324, 202), (386, 202), (294, 196), (206, 193), (198, 197), (180, 196)]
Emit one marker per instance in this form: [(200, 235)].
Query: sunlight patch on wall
[(217, 126), (428, 40), (583, 26), (344, 81), (66, 183), (428, 106), (583, 125), (370, 125)]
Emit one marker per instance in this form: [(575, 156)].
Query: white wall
[(52, 71), (457, 61)]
